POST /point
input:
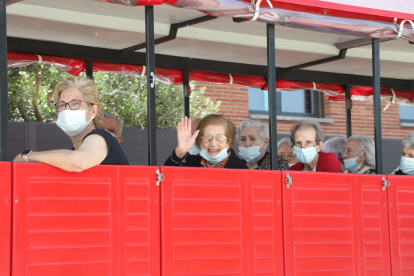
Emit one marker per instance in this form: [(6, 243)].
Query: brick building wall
[(235, 105)]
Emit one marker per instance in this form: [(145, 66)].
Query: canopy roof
[(106, 25)]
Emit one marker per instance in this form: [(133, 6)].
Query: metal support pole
[(377, 104), (348, 107), (89, 69), (4, 108), (186, 93), (151, 106), (271, 83)]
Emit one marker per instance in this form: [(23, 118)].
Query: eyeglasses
[(73, 105), (307, 144), (288, 156), (208, 138)]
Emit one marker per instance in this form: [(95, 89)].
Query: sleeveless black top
[(116, 155)]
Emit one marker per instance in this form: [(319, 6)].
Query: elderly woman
[(407, 159), (359, 155), (307, 139), (336, 146), (252, 139), (214, 137), (80, 117), (285, 150)]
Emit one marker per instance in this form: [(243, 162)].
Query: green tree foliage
[(30, 89)]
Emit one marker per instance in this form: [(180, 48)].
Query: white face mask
[(351, 164), (407, 165), (194, 150), (305, 155), (251, 154), (216, 158), (73, 122)]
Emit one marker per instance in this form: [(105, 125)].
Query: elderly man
[(114, 125), (285, 150), (307, 139), (407, 159), (359, 155)]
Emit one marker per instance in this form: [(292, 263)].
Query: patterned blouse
[(264, 163)]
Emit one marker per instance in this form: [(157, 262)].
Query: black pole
[(271, 83), (89, 69), (4, 109), (377, 104), (348, 107), (151, 107), (186, 93)]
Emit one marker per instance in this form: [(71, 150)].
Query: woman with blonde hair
[(213, 137), (80, 115)]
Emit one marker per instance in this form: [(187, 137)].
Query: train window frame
[(314, 105)]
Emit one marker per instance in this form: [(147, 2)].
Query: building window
[(300, 103), (406, 113)]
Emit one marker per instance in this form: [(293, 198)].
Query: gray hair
[(119, 120), (408, 141), (262, 129), (367, 145), (335, 145), (307, 123), (284, 141)]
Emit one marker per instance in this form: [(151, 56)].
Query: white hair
[(408, 141), (307, 123), (262, 129), (119, 120), (335, 145), (284, 141), (366, 144)]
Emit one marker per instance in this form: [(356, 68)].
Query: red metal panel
[(77, 223), (140, 209), (5, 217), (335, 224), (401, 210), (264, 203), (374, 232), (220, 222)]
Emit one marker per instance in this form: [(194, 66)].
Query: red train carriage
[(137, 220)]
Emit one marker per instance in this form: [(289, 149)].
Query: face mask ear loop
[(392, 101), (91, 115), (363, 161)]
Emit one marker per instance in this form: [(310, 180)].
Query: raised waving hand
[(184, 137)]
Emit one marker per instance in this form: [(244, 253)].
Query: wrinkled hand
[(18, 158), (184, 137)]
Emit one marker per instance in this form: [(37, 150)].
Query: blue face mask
[(351, 164), (306, 155), (407, 165), (251, 154), (194, 150), (214, 159)]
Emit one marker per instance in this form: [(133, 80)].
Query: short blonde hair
[(88, 89), (216, 119)]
